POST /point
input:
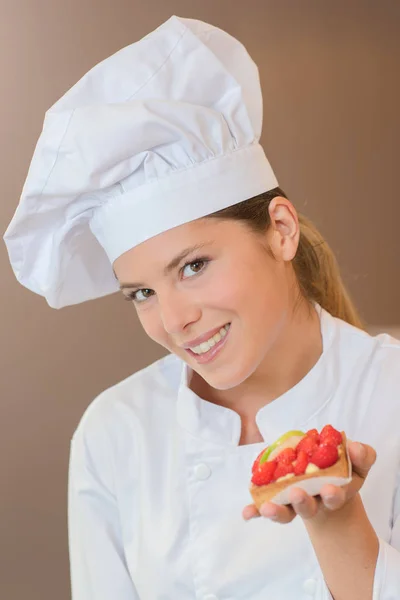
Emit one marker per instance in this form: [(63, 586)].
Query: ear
[(284, 229)]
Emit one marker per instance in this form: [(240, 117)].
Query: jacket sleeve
[(97, 562), (387, 575)]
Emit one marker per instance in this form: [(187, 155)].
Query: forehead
[(160, 251)]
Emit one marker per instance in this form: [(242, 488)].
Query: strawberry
[(287, 456), (330, 436), (325, 456), (283, 469), (314, 435), (300, 464), (308, 445), (264, 474), (257, 461), (330, 440)]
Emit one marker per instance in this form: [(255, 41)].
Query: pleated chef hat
[(163, 132)]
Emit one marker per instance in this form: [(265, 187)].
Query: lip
[(202, 338), (212, 353)]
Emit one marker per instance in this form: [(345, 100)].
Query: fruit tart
[(306, 460)]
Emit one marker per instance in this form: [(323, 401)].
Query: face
[(210, 292)]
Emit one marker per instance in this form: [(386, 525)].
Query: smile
[(206, 351)]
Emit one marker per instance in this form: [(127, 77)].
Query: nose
[(177, 312)]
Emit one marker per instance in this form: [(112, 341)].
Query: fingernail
[(269, 512), (273, 517), (298, 499), (330, 500), (362, 450)]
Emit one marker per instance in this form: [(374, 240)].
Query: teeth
[(206, 346)]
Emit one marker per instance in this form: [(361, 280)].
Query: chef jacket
[(158, 481)]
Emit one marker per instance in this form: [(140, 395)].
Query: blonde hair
[(315, 265)]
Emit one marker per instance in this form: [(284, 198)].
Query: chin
[(227, 379)]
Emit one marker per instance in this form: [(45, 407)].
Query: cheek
[(254, 293), (256, 288), (262, 302)]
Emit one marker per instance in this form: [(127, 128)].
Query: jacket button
[(203, 472), (309, 586)]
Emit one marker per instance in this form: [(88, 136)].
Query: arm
[(97, 561), (347, 549)]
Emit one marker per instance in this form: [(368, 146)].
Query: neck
[(291, 358)]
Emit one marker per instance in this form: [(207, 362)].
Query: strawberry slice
[(287, 456), (330, 440), (300, 464), (314, 435), (264, 474), (257, 461), (307, 445), (325, 456), (283, 469), (330, 436)]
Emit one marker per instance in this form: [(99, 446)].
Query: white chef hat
[(163, 132)]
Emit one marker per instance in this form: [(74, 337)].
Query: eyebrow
[(171, 265)]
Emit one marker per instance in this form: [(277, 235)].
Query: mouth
[(207, 351)]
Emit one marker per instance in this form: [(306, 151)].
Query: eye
[(139, 295), (196, 267)]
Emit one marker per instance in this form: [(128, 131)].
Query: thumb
[(362, 457)]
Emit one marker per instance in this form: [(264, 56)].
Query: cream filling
[(206, 346), (311, 468), (284, 477)]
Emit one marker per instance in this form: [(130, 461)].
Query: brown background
[(330, 72)]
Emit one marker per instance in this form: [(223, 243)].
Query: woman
[(149, 177)]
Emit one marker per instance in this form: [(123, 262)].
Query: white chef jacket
[(157, 481)]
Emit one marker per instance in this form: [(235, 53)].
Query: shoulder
[(370, 362), (145, 392), (379, 350)]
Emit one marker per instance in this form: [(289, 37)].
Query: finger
[(362, 457), (304, 505), (333, 497), (250, 512), (274, 512)]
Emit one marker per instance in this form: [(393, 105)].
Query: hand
[(332, 498)]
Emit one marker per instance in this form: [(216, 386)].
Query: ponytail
[(318, 274)]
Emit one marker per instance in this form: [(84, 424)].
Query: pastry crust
[(264, 493)]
